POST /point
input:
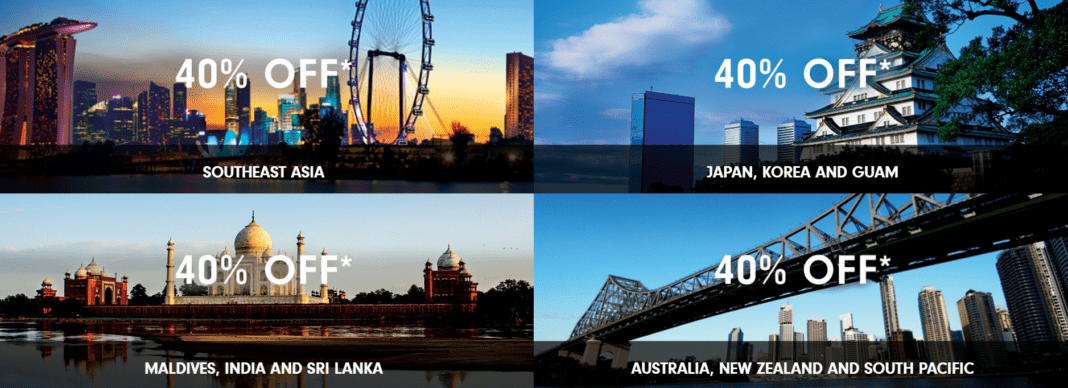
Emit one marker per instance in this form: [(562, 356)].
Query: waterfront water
[(167, 183), (33, 354)]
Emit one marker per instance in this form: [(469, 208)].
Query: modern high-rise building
[(333, 92), (740, 143), (789, 132), (180, 99), (519, 90), (1003, 319), (855, 344), (287, 108), (37, 69), (231, 109), (141, 118), (300, 93), (786, 333), (890, 321), (121, 118), (982, 330), (1035, 299), (661, 138), (159, 113), (84, 98), (773, 348), (261, 124), (735, 345), (845, 322), (817, 340), (244, 104), (1057, 248), (935, 322)]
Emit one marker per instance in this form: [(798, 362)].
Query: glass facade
[(789, 132), (740, 139), (662, 133)]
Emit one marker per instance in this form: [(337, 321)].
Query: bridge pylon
[(620, 352)]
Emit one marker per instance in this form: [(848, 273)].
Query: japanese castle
[(895, 106)]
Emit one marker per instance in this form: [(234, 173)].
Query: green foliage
[(1021, 70)]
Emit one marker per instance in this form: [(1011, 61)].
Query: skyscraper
[(855, 344), (773, 348), (159, 113), (740, 139), (1035, 299), (37, 84), (519, 87), (333, 92), (1057, 248), (244, 104), (890, 321), (287, 107), (845, 321), (121, 118), (141, 119), (260, 126), (788, 132), (661, 134), (786, 333), (233, 122), (935, 322), (300, 93), (179, 101), (982, 329), (817, 340), (735, 345), (84, 98)]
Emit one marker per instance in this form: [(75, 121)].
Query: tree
[(459, 137), (193, 289), (138, 292), (1022, 69), (322, 135)]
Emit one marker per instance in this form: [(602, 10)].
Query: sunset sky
[(138, 42)]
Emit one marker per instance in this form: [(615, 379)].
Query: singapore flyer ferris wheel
[(390, 51)]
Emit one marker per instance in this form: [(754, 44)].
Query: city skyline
[(651, 222), (389, 237), (468, 77)]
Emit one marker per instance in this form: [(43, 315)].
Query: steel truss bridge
[(914, 230)]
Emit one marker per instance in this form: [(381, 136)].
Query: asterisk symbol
[(345, 65), (885, 65), (885, 261), (346, 261)]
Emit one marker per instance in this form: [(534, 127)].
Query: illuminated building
[(301, 94), (260, 126), (159, 113), (519, 84), (179, 101), (451, 282), (37, 76), (84, 98), (244, 104), (120, 116), (196, 127), (333, 92), (93, 285), (287, 108), (233, 122), (141, 118)]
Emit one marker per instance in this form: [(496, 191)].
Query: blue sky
[(657, 239), (592, 55), (390, 236)]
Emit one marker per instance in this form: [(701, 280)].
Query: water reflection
[(31, 356)]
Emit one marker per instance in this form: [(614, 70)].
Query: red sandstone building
[(93, 285), (451, 282)]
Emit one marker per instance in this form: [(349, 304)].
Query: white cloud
[(666, 31), (8, 211), (621, 114)]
